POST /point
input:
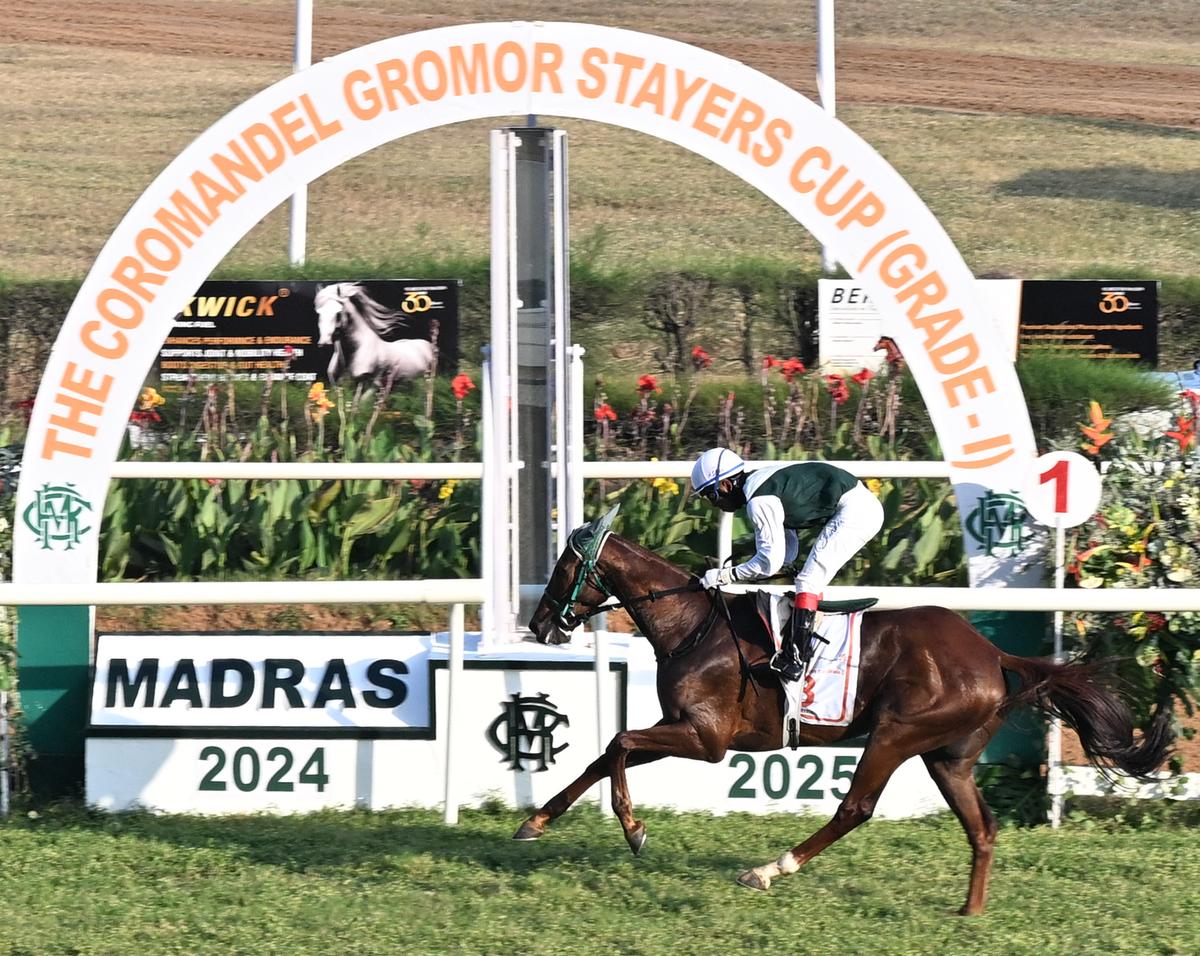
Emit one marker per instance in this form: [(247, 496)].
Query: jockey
[(779, 499)]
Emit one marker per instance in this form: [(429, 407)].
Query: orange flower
[(701, 359), (1097, 431), (770, 362), (604, 412), (460, 385), (863, 377)]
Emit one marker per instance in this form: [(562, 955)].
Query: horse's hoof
[(754, 880), (637, 837), (528, 832)]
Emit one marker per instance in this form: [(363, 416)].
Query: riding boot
[(790, 660)]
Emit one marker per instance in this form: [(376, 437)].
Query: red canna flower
[(1185, 433), (838, 390), (604, 412), (791, 368), (647, 384), (770, 362), (701, 359), (460, 385), (864, 376)]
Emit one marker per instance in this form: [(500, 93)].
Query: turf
[(400, 882)]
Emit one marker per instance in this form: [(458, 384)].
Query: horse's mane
[(650, 558), (388, 324)]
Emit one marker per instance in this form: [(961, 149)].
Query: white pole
[(575, 443), (604, 724), (453, 731), (502, 439), (724, 537), (826, 87), (562, 356), (488, 498), (4, 755), (298, 215), (1054, 771)]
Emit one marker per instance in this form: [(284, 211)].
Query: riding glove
[(717, 577)]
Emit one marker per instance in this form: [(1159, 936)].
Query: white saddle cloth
[(826, 693)]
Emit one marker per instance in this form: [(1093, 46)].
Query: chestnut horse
[(930, 685)]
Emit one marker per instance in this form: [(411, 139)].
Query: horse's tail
[(1077, 695)]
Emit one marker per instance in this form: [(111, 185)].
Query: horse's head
[(330, 303), (576, 587)]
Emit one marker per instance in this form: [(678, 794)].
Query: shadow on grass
[(1128, 184), (383, 842)]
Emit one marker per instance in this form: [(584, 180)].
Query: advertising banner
[(342, 683), (287, 723), (1092, 319), (307, 331), (849, 325)]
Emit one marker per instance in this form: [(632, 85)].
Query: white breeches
[(858, 518)]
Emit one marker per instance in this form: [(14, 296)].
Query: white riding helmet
[(715, 465)]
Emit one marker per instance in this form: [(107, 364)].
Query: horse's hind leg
[(951, 769), (883, 754)]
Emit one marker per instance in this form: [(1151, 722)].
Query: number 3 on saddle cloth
[(827, 692)]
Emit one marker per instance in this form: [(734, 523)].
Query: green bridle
[(587, 541)]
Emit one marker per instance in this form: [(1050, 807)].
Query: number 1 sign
[(1063, 489)]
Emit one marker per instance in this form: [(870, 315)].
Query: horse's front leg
[(562, 801), (681, 739)]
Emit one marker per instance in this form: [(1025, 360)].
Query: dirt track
[(933, 76)]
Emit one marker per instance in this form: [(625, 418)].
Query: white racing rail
[(459, 592)]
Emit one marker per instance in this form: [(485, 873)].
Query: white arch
[(248, 162)]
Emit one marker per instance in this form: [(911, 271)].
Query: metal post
[(826, 87), (298, 213), (1054, 771), (453, 731), (490, 515), (604, 723), (4, 752), (502, 431), (724, 537), (574, 457)]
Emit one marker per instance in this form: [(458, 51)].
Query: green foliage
[(172, 529), (1058, 388)]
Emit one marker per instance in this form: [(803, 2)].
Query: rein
[(587, 543)]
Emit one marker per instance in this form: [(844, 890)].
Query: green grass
[(1034, 196), (402, 883)]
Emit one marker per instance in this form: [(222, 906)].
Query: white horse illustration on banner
[(367, 338)]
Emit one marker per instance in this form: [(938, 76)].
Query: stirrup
[(787, 667)]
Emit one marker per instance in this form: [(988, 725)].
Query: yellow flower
[(665, 486), (447, 489), (873, 485), (150, 399)]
